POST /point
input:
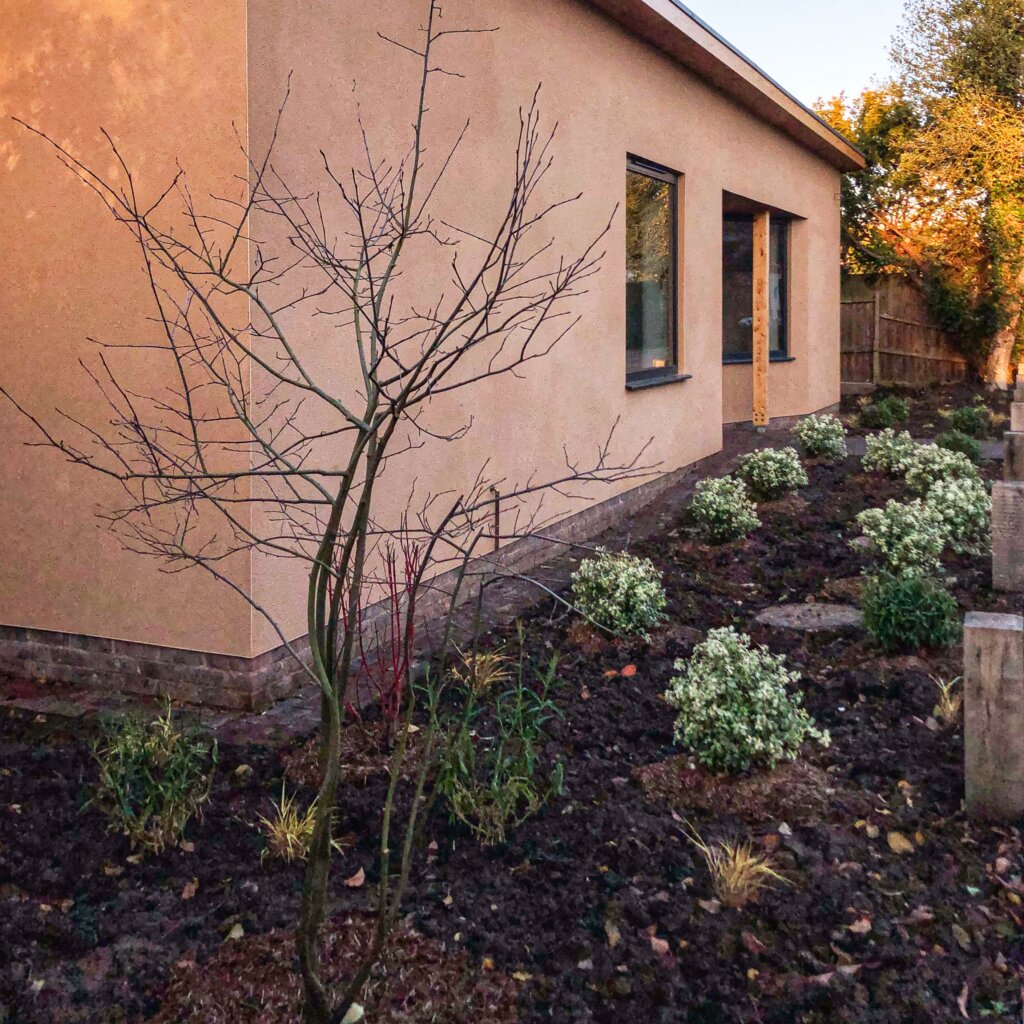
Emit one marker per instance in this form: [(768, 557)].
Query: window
[(651, 269), (738, 288)]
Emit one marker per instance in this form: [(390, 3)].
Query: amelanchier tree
[(246, 443), (943, 199)]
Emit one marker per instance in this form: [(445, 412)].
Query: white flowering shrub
[(888, 452), (722, 509), (620, 592), (964, 506), (770, 473), (909, 537), (735, 709), (930, 463), (822, 437)]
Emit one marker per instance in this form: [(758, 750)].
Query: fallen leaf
[(711, 906), (613, 933), (628, 672), (899, 843), (522, 976), (356, 880), (965, 994), (237, 931), (752, 943), (354, 1015), (487, 964), (584, 694), (611, 673), (872, 831), (191, 888), (660, 946), (963, 940), (861, 926), (113, 870)]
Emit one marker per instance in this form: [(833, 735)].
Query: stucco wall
[(174, 82), (167, 80), (612, 95)]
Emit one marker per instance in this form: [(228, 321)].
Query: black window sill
[(642, 383), (748, 360)]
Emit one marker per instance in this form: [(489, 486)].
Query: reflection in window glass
[(738, 287), (650, 272)]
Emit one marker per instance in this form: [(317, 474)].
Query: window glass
[(650, 272), (738, 287)]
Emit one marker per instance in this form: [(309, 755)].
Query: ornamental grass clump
[(908, 537), (885, 412), (735, 708), (929, 463), (822, 437), (958, 441), (965, 509), (888, 452), (153, 778), (620, 593), (722, 509), (769, 473), (906, 613)]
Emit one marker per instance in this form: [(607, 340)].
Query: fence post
[(876, 341), (994, 716)]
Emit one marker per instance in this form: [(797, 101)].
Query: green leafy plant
[(620, 593), (735, 708), (965, 509), (491, 783), (908, 537), (153, 777), (722, 509), (906, 613), (884, 412), (958, 441), (770, 473), (822, 437), (929, 463), (974, 420), (888, 452)]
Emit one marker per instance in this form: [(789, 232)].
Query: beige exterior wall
[(167, 80), (170, 80), (612, 94)]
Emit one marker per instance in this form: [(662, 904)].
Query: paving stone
[(812, 618)]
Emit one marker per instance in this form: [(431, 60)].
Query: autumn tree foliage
[(942, 201)]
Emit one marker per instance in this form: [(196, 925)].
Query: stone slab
[(1017, 416), (1013, 463), (812, 618)]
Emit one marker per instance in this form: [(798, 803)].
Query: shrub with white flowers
[(770, 473), (908, 536), (620, 592), (722, 509), (888, 452), (966, 509), (930, 463), (822, 437), (735, 709)]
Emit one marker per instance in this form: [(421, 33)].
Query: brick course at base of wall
[(228, 681)]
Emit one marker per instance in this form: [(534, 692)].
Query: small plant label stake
[(1008, 507), (994, 716)]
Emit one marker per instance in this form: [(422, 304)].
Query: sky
[(811, 47)]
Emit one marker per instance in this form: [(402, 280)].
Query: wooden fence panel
[(886, 336)]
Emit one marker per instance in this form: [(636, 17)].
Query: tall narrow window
[(651, 269), (738, 287)]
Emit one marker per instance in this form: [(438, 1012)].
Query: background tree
[(943, 199), (239, 444)]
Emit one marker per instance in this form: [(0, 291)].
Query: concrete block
[(994, 716), (1008, 535), (1017, 416), (1013, 466)]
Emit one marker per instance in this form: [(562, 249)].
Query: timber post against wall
[(994, 716), (762, 229), (1008, 507)]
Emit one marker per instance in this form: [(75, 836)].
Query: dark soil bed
[(896, 910)]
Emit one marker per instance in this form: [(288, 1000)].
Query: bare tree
[(245, 445)]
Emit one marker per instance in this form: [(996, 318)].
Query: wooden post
[(762, 227), (876, 338)]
